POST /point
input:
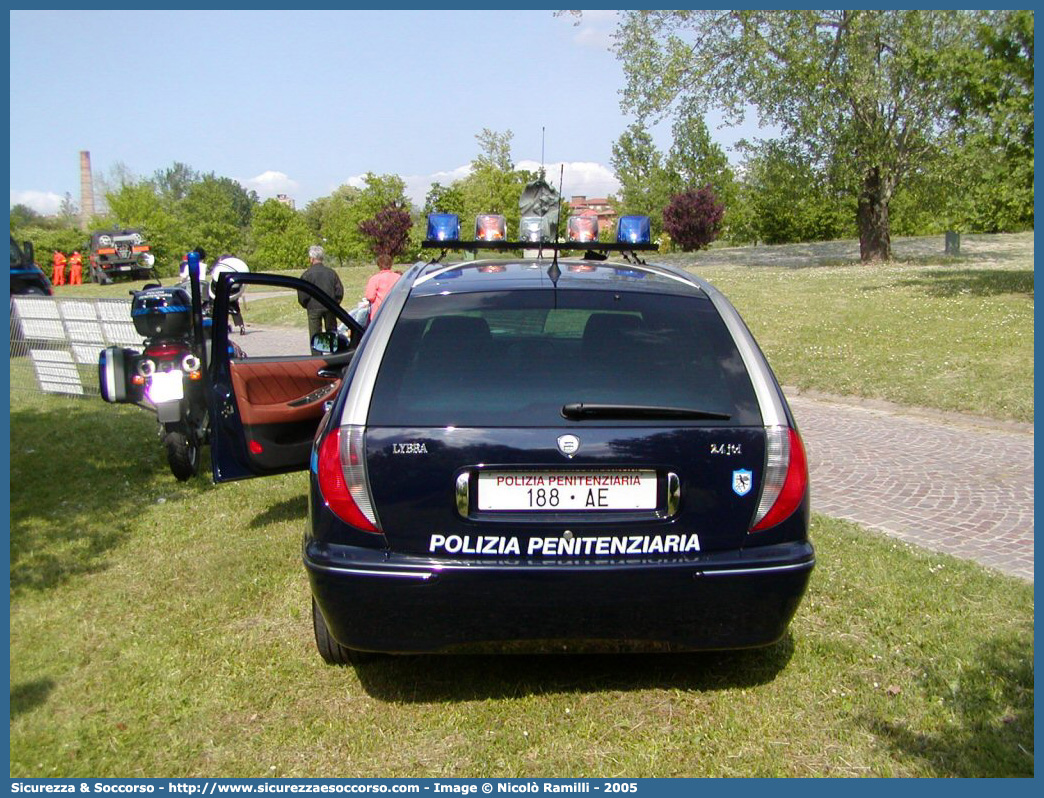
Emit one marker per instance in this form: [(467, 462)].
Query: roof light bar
[(633, 234)]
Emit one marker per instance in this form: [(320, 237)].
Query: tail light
[(786, 478), (342, 478)]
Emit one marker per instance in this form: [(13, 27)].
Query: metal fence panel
[(55, 342)]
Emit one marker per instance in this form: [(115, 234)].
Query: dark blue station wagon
[(535, 450)]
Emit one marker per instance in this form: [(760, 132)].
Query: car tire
[(332, 652), (182, 455)]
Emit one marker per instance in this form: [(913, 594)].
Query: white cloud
[(418, 186), (45, 202), (584, 178), (269, 184)]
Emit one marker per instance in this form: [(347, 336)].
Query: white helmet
[(228, 263)]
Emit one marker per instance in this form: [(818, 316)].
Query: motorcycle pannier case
[(162, 312), (116, 369)]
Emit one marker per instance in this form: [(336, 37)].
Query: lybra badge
[(568, 444), (742, 481)]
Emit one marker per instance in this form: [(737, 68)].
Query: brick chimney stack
[(86, 190)]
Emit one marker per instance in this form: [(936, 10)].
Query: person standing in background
[(323, 277), (378, 286), (58, 272), (76, 269)]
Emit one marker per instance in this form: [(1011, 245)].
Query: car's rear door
[(267, 392)]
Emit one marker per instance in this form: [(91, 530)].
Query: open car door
[(266, 391)]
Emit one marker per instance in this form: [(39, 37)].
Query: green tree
[(494, 184), (24, 216), (68, 212), (339, 233), (645, 185), (348, 206), (784, 197), (139, 205), (994, 103), (215, 214), (444, 199), (281, 238), (869, 85), (313, 215), (174, 182), (695, 160)]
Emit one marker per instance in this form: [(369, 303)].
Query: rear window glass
[(515, 358)]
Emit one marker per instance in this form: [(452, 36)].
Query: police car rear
[(551, 450)]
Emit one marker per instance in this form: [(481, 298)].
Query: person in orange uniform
[(58, 273), (76, 269)]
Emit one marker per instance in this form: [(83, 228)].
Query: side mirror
[(330, 343)]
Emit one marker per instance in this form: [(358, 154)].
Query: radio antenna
[(561, 174), (541, 150), (554, 272)]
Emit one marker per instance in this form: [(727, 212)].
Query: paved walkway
[(946, 482)]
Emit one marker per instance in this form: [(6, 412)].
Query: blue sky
[(302, 102)]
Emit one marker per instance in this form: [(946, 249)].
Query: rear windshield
[(515, 358)]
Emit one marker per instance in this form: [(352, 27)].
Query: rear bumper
[(374, 601)]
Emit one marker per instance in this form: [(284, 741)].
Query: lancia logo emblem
[(568, 444), (742, 480)]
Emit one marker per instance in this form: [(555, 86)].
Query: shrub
[(388, 231), (693, 218)]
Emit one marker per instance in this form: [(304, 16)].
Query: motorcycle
[(168, 375)]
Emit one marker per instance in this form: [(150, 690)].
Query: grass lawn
[(924, 330), (163, 629)]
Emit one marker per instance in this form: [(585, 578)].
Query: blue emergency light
[(443, 227), (633, 230)]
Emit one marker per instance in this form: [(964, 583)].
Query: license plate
[(166, 386), (566, 491)]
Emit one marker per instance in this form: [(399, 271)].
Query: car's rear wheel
[(182, 455), (332, 652)]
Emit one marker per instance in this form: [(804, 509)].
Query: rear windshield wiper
[(578, 410)]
